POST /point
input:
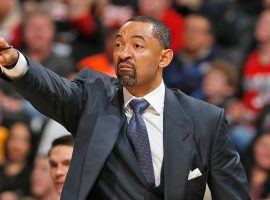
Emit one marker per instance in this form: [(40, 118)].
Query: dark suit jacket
[(91, 108)]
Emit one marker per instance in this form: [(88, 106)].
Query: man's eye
[(138, 46), (118, 45), (53, 165)]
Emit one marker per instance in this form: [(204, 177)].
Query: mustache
[(125, 62)]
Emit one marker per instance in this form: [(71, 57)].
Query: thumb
[(3, 43)]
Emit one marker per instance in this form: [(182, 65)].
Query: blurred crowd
[(221, 56)]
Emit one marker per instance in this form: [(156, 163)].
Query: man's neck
[(264, 51)]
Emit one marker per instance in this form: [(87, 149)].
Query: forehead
[(20, 130), (61, 152), (265, 15), (130, 29), (41, 160), (197, 21)]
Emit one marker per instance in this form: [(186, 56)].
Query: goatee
[(127, 76)]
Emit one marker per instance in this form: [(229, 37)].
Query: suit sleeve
[(227, 179), (54, 96)]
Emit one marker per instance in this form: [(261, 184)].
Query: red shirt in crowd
[(175, 22), (256, 83)]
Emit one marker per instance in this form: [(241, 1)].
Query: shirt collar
[(154, 98)]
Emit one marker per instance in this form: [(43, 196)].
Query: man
[(164, 11), (190, 65), (134, 138), (59, 159), (42, 187), (39, 35)]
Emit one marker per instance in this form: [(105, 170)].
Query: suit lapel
[(178, 131), (106, 131)]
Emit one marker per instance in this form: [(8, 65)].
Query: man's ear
[(166, 58)]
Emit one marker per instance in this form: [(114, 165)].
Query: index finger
[(5, 48)]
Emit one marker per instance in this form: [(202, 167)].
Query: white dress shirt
[(153, 118), (153, 115)]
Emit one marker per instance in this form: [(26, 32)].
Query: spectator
[(9, 196), (14, 174), (256, 76), (78, 28), (189, 65), (60, 157), (164, 11), (38, 36), (42, 187), (257, 165), (219, 87), (115, 15), (102, 62), (234, 24), (266, 4), (10, 16), (219, 83)]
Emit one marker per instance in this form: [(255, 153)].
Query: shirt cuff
[(19, 70)]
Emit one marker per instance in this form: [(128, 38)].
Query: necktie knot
[(139, 105)]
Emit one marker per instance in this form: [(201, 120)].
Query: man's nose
[(125, 53), (60, 171)]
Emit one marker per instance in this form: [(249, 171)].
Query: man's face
[(153, 8), (137, 56), (41, 181), (5, 7), (262, 152), (262, 31), (215, 84), (39, 33), (266, 4), (19, 143), (60, 157), (197, 34)]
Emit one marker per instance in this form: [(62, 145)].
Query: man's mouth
[(59, 184), (125, 66)]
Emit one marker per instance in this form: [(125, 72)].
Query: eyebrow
[(51, 162), (134, 36), (118, 36), (138, 36)]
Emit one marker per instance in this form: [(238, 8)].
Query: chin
[(58, 190), (127, 81)]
